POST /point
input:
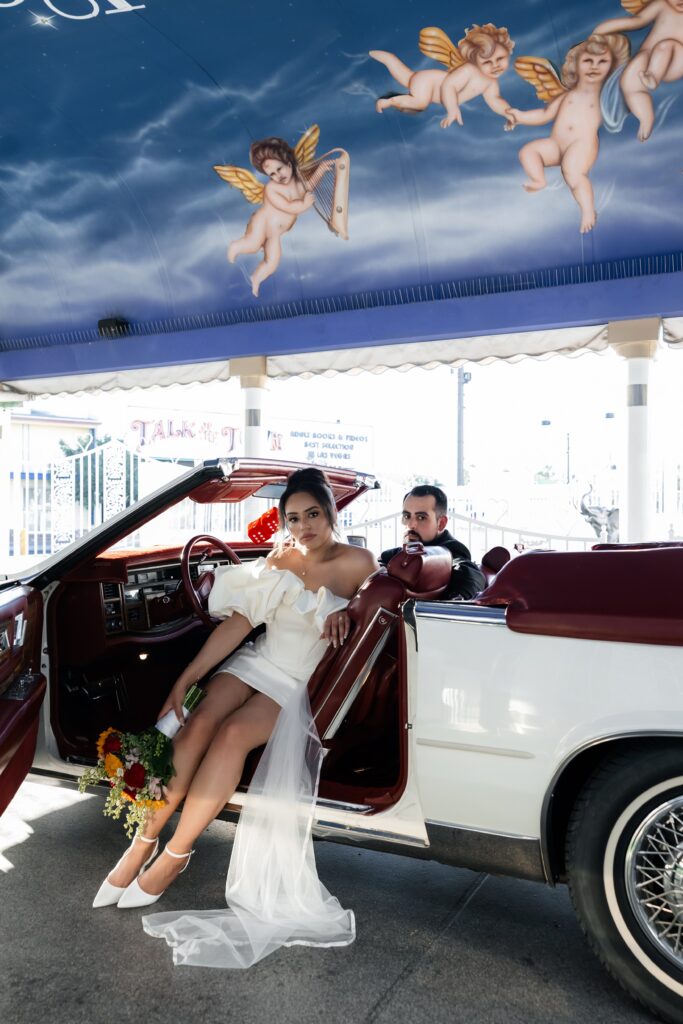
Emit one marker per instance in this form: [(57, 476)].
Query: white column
[(255, 435), (254, 383), (7, 463), (636, 341)]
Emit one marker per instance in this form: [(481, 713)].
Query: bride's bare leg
[(214, 782), (225, 693)]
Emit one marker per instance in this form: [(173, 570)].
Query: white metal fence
[(48, 505), (478, 535)]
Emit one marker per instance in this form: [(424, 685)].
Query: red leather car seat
[(344, 677), (374, 610)]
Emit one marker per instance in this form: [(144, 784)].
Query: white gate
[(52, 504)]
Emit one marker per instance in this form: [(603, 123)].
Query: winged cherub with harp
[(473, 69), (659, 59), (296, 183), (573, 103)]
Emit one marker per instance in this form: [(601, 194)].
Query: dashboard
[(151, 600)]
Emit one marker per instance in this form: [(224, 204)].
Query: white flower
[(154, 786)]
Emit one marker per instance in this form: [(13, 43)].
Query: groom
[(424, 516)]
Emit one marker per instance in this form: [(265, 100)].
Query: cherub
[(287, 194), (474, 67), (573, 103), (659, 59)]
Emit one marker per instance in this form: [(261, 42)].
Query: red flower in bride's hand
[(134, 777), (112, 744)]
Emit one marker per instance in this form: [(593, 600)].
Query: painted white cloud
[(426, 204)]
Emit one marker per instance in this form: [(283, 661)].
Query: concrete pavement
[(434, 943)]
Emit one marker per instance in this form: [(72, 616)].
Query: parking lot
[(434, 943)]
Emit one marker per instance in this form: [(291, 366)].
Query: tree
[(545, 476), (417, 479)]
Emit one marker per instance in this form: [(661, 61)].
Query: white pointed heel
[(108, 894), (134, 896)]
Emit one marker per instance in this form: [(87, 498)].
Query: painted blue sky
[(110, 126)]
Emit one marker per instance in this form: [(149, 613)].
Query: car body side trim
[(457, 846), (475, 747), (495, 852), (331, 829), (340, 805), (460, 612)]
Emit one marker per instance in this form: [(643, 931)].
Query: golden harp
[(328, 179)]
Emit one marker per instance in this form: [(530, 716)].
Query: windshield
[(174, 526)]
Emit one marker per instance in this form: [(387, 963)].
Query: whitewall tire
[(625, 867)]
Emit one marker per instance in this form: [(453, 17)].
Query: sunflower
[(112, 764), (102, 739)]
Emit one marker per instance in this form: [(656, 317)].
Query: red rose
[(112, 744), (134, 777)]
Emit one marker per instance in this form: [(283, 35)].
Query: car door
[(354, 673), (22, 685)]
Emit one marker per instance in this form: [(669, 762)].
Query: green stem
[(193, 697)]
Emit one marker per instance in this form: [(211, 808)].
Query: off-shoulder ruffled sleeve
[(252, 589), (322, 604)]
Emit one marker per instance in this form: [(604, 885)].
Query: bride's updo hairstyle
[(309, 481)]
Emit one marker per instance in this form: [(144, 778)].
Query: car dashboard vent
[(112, 607)]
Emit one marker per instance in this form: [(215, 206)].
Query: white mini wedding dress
[(273, 892)]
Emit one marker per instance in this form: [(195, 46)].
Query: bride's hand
[(336, 628), (174, 701)]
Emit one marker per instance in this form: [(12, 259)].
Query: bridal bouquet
[(137, 766)]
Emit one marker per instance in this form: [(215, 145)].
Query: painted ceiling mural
[(167, 160)]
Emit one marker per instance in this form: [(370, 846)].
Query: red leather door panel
[(22, 686)]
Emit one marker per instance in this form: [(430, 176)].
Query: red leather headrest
[(424, 571), (495, 559)]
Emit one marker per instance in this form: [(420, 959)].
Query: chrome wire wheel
[(624, 858), (653, 878)]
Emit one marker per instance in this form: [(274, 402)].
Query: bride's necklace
[(302, 571)]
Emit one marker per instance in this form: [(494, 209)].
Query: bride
[(257, 695)]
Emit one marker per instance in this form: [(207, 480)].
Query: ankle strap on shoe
[(178, 856), (144, 839)]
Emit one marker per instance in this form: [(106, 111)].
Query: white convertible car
[(536, 732)]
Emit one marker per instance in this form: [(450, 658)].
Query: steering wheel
[(198, 593)]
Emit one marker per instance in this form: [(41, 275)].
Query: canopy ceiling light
[(112, 327)]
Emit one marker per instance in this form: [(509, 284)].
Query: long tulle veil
[(273, 892)]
